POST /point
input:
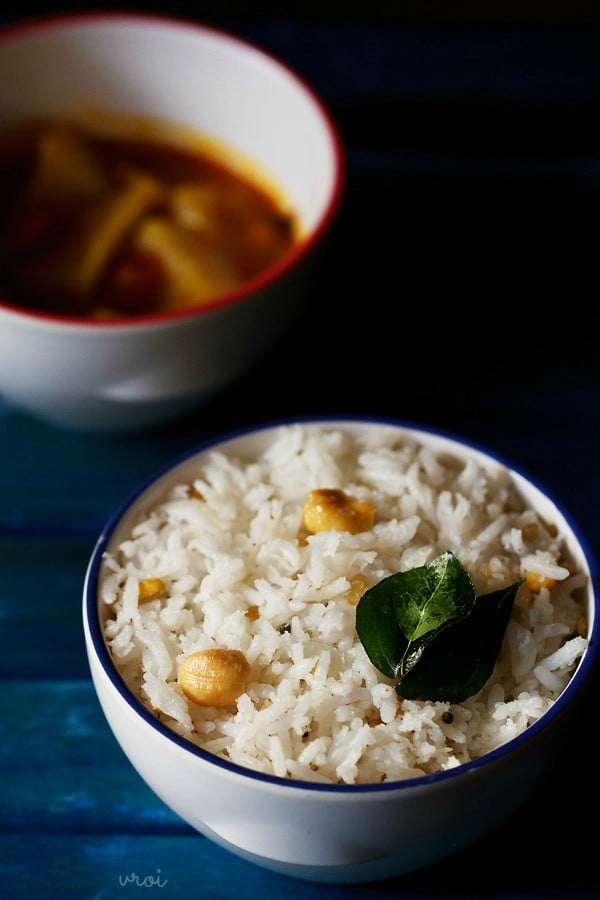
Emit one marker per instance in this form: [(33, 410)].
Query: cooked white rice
[(315, 707)]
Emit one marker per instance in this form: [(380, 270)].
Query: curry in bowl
[(111, 225)]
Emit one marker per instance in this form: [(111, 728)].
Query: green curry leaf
[(378, 630), (458, 663), (400, 615), (427, 599), (427, 630)]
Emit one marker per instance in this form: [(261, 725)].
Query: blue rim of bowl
[(576, 685)]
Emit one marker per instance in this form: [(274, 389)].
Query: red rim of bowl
[(55, 22)]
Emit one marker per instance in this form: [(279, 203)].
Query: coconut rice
[(236, 571)]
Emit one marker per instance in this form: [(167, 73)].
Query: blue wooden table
[(461, 286)]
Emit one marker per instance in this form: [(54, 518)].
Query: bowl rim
[(97, 643), (13, 32)]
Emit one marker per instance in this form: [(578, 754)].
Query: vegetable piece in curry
[(107, 227)]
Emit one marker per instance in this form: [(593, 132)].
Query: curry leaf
[(427, 599), (461, 659), (427, 630), (378, 630), (398, 616)]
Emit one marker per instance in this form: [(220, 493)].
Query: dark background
[(463, 262)]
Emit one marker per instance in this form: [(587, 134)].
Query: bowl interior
[(184, 74)]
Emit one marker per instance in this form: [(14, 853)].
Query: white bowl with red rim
[(141, 371)]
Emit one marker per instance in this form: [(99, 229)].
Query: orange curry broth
[(108, 226)]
